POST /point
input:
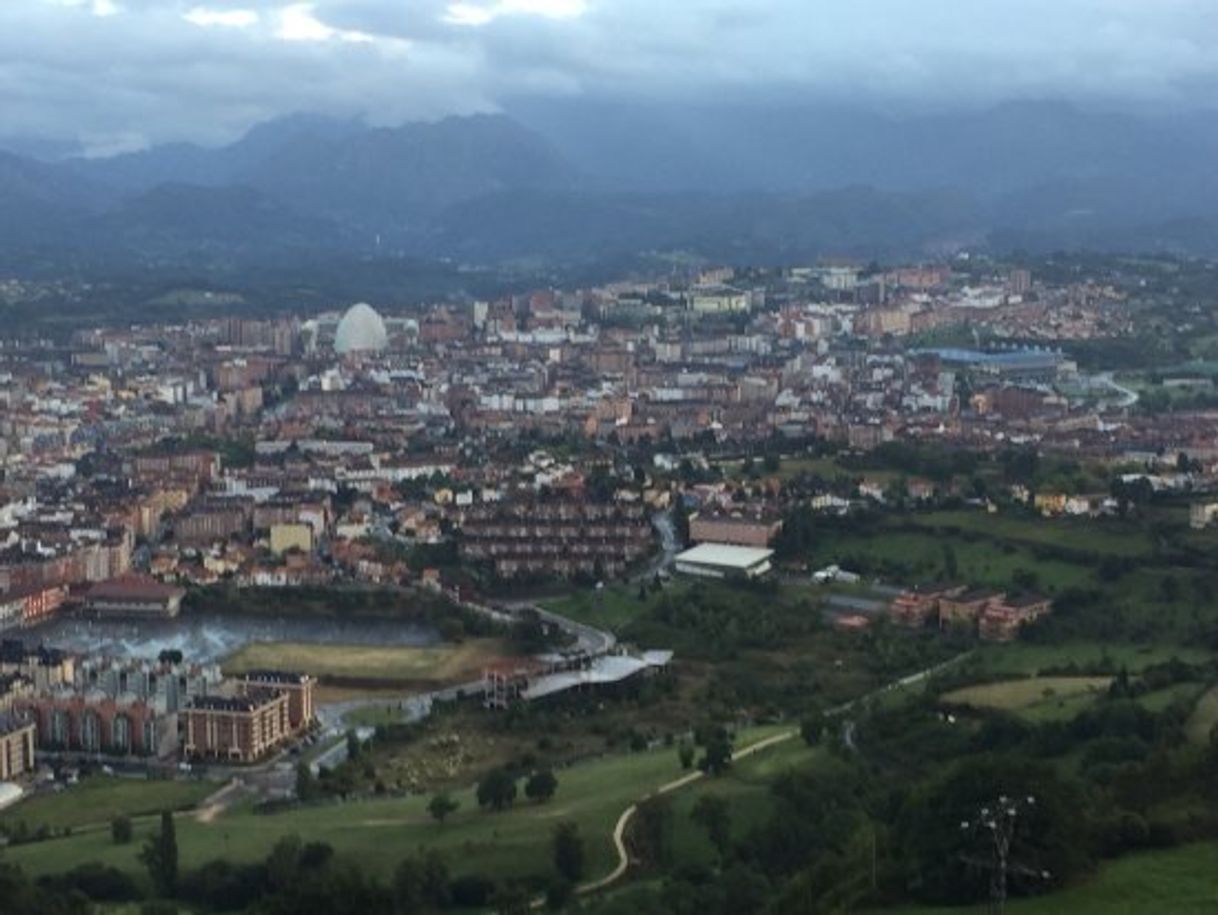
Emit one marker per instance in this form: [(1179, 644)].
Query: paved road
[(669, 547), (1128, 396)]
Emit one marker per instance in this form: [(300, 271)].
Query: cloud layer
[(119, 74)]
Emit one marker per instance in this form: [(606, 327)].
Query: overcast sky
[(118, 74)]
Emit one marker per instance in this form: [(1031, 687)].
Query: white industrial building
[(719, 560)]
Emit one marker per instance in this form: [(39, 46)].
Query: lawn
[(384, 664), (1179, 881), (380, 832), (612, 608), (1204, 718), (1027, 658), (907, 557), (97, 800), (1110, 536), (1036, 698)]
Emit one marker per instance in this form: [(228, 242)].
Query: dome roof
[(361, 329)]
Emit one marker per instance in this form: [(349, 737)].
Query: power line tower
[(997, 824)]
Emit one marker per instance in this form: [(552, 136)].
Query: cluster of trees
[(883, 823), (295, 878), (717, 622), (497, 790)]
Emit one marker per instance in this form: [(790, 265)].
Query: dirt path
[(623, 822), (217, 803)]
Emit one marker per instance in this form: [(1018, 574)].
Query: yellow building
[(16, 749), (288, 537)]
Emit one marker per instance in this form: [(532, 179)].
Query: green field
[(1026, 658), (1035, 698), (1110, 536), (910, 557), (97, 800), (388, 664), (379, 833), (1180, 881), (1144, 580), (612, 608)]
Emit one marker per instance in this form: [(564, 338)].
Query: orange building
[(299, 689), (237, 729)]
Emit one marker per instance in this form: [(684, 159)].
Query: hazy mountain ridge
[(583, 180)]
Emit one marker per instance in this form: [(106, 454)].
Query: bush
[(559, 894), (100, 883), (471, 891), (541, 786), (121, 830)]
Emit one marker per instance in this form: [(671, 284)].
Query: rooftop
[(725, 555)]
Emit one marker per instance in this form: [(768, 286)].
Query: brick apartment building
[(84, 723), (212, 521), (237, 728), (1002, 620), (736, 528), (298, 687), (919, 606), (993, 615), (563, 538), (965, 608)]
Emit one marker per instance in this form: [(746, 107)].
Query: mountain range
[(587, 179)]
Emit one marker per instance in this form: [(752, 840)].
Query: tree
[(559, 894), (160, 856), (497, 790), (541, 786), (408, 887), (421, 885), (712, 814), (686, 753), (651, 835), (717, 757), (568, 851), (441, 806), (306, 783), (812, 727), (283, 863), (120, 830), (512, 899), (951, 567)]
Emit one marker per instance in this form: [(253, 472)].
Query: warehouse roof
[(725, 556)]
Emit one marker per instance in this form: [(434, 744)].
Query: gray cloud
[(122, 73)]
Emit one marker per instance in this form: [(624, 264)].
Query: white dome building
[(360, 330)]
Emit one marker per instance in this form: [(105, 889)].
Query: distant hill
[(588, 179)]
